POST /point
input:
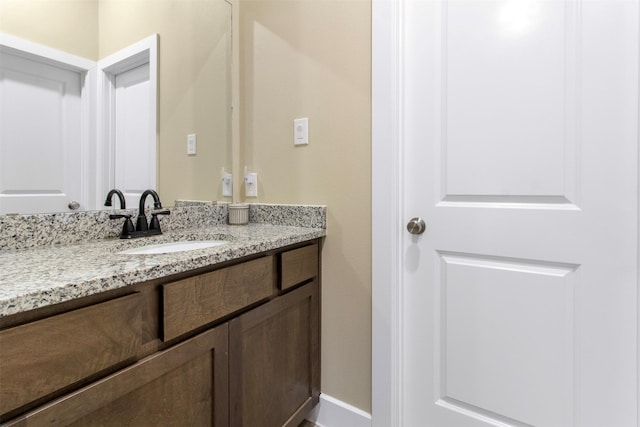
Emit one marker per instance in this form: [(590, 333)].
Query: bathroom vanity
[(223, 336)]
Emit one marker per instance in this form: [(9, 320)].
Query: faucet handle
[(155, 223), (127, 227)]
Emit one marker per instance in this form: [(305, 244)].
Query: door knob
[(74, 205), (416, 226)]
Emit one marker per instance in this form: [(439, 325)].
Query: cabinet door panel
[(162, 402), (184, 385), (274, 361)]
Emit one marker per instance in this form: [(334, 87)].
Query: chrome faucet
[(154, 226), (127, 227)]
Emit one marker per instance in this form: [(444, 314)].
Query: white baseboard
[(332, 412)]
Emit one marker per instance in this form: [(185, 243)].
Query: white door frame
[(140, 53), (387, 222)]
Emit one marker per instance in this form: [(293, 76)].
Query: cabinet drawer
[(44, 356), (199, 300), (185, 385), (298, 266)]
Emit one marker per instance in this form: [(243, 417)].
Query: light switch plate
[(191, 144), (301, 131)]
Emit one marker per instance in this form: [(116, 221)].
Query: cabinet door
[(185, 385), (274, 361)]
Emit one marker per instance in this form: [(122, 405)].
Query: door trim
[(140, 53), (34, 51), (387, 200)]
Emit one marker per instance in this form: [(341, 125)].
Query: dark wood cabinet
[(234, 346), (274, 361)]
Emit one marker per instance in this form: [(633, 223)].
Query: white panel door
[(40, 132), (135, 138), (519, 302)]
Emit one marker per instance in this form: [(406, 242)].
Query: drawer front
[(199, 300), (298, 266), (44, 356), (185, 385)]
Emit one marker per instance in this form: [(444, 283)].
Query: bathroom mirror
[(193, 76)]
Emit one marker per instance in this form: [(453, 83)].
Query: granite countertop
[(35, 278)]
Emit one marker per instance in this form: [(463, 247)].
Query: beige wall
[(312, 58), (67, 25)]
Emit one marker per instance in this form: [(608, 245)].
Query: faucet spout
[(118, 193), (142, 224)]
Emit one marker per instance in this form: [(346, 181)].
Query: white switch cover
[(191, 144), (301, 131), (251, 185), (227, 185)]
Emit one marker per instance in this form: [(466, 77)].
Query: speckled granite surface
[(292, 215), (183, 203), (39, 277), (31, 231)]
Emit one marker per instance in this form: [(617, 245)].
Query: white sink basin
[(167, 248)]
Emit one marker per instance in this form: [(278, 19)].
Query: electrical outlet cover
[(251, 185), (227, 185)]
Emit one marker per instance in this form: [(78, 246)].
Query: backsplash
[(35, 230), (314, 216)]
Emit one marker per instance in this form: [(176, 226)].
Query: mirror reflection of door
[(127, 87), (134, 138), (40, 126), (55, 154)]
